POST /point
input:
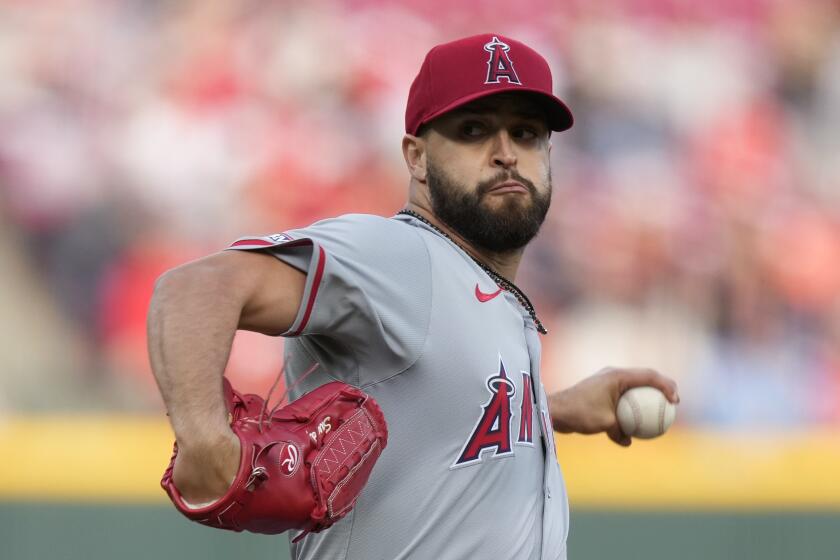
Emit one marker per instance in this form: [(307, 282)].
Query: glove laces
[(263, 416)]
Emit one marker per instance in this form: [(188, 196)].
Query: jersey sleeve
[(367, 300)]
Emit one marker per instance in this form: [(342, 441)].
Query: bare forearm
[(589, 406), (191, 323), (563, 410), (194, 314)]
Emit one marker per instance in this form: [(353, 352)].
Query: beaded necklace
[(503, 282)]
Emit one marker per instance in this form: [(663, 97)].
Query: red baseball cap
[(456, 73)]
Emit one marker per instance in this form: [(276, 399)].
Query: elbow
[(165, 291), (177, 282), (212, 278), (171, 281)]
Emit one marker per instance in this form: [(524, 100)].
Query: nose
[(503, 151)]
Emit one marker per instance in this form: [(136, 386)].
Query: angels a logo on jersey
[(500, 66), (492, 430)]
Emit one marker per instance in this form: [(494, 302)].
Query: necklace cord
[(503, 282)]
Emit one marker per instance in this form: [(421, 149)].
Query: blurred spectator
[(696, 217)]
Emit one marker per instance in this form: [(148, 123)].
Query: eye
[(473, 129), (525, 133)]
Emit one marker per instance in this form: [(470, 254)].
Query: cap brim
[(559, 116)]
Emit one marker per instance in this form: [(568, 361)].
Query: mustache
[(485, 187)]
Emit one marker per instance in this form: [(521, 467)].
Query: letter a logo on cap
[(499, 66)]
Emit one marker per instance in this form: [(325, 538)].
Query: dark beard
[(502, 230)]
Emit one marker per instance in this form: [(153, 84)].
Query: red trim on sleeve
[(313, 293), (255, 241)]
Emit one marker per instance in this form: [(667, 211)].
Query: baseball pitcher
[(417, 323)]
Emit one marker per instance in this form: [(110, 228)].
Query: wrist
[(206, 436), (561, 409)]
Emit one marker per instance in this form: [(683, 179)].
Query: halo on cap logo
[(500, 66)]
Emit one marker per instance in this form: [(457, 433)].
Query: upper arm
[(267, 290), (275, 296)]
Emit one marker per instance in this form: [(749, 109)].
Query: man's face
[(488, 171)]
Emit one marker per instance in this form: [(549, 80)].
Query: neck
[(506, 264)]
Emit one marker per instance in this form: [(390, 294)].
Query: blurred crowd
[(695, 225)]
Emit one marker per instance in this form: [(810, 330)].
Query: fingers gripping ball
[(301, 468), (644, 412)]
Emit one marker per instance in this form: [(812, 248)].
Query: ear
[(414, 152)]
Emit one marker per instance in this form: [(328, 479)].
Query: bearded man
[(419, 310)]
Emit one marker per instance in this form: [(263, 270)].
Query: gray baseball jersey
[(470, 470)]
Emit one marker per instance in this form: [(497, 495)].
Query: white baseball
[(644, 412)]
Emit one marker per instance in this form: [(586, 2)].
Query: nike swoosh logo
[(482, 297)]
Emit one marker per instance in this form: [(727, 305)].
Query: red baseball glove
[(302, 466)]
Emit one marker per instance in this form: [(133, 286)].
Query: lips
[(509, 187)]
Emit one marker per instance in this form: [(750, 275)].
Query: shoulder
[(365, 233), (361, 225), (348, 230)]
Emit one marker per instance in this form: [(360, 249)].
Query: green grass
[(40, 531)]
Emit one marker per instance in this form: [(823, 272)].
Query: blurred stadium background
[(695, 228)]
